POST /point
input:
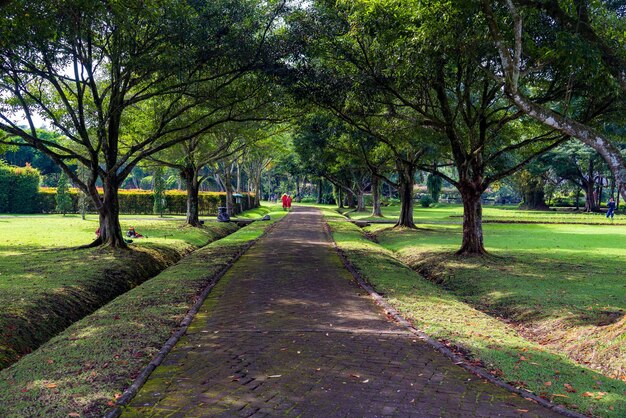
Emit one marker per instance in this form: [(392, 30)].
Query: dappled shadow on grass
[(44, 290), (598, 319), (84, 368), (49, 290), (524, 287), (446, 315)]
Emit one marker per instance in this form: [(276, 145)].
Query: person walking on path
[(611, 212), (284, 199), (288, 202)]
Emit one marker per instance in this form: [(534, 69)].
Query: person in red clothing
[(284, 199), (288, 202)]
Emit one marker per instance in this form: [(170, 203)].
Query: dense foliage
[(18, 189)]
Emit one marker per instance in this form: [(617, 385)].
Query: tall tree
[(270, 145), (191, 157), (589, 40), (158, 179), (93, 69), (418, 78)]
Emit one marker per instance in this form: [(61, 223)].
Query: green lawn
[(552, 291), (45, 284), (558, 298), (563, 283), (266, 208), (82, 370), (444, 213)]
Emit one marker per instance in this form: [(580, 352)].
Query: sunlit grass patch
[(453, 213), (46, 283), (84, 368), (463, 303), (274, 210)]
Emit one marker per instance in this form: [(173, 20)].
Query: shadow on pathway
[(287, 332)]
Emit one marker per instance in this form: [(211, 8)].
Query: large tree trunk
[(590, 200), (350, 200), (339, 197), (376, 208), (406, 180), (534, 196), (193, 188), (238, 178), (228, 185), (108, 207), (360, 201), (472, 222), (257, 190)]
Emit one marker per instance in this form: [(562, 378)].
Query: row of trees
[(123, 82), (470, 92)]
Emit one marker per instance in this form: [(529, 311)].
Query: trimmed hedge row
[(19, 188), (141, 202)]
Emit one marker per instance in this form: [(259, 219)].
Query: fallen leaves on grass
[(569, 388), (596, 395)]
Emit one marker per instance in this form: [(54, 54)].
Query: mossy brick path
[(287, 332)]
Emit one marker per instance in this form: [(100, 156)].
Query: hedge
[(18, 189), (141, 202)]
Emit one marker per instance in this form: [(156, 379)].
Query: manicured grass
[(84, 368), (266, 208), (450, 312), (444, 213), (45, 284), (562, 284)]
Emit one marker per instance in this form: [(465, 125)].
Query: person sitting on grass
[(611, 205), (131, 233)]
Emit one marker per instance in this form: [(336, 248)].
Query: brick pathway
[(286, 332)]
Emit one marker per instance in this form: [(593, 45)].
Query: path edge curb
[(130, 392), (438, 346)]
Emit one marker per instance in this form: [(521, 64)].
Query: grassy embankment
[(549, 294), (46, 284), (81, 371)]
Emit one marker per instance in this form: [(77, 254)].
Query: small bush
[(426, 201)]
